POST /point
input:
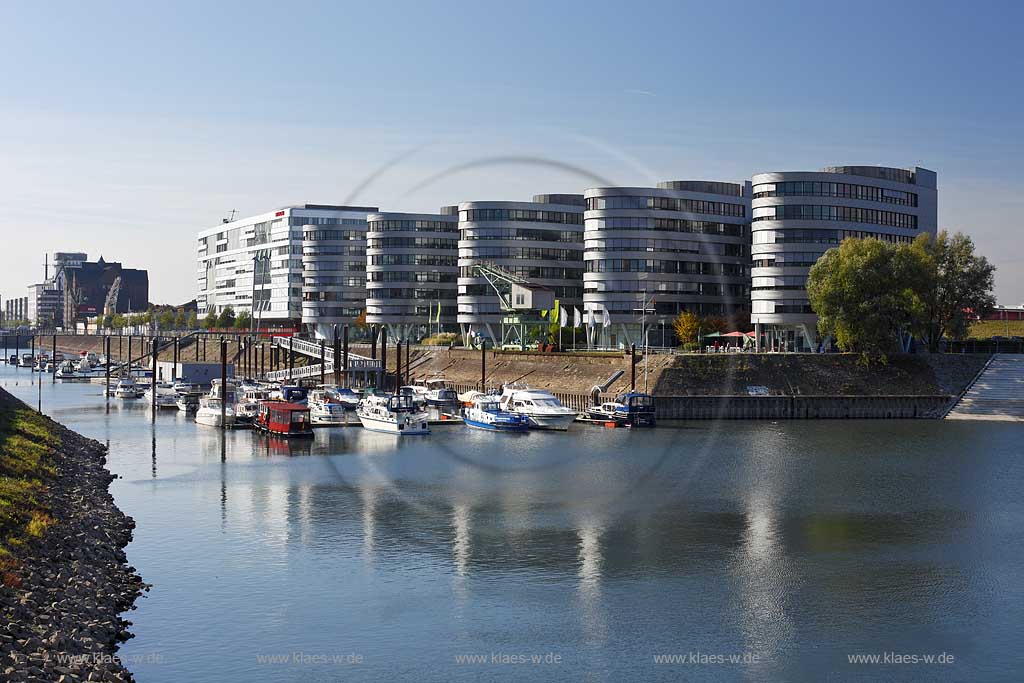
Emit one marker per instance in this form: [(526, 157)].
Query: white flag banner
[(563, 318), (577, 319), (607, 321), (590, 317)]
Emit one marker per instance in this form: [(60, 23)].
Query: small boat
[(188, 402), (13, 360), (127, 388), (325, 408), (289, 394), (248, 407), (27, 361), (486, 413), (216, 404), (166, 396), (415, 394), (632, 409), (284, 419), (346, 397), (438, 394), (541, 408), (394, 414)]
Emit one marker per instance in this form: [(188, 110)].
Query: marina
[(793, 541)]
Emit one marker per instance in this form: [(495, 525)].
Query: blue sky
[(127, 127)]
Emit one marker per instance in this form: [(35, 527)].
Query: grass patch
[(26, 444), (984, 329)]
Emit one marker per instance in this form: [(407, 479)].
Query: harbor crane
[(521, 303)]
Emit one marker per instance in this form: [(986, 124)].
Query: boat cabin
[(284, 419)]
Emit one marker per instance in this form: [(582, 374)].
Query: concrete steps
[(997, 394)]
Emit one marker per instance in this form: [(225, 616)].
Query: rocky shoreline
[(60, 606)]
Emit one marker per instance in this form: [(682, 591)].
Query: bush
[(442, 339)]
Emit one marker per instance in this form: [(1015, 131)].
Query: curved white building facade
[(797, 216), (541, 241), (333, 267), (651, 253), (411, 270)]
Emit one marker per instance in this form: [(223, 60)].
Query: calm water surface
[(795, 543)]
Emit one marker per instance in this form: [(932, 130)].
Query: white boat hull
[(213, 419), (558, 423), (402, 425)]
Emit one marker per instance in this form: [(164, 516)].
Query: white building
[(271, 245)]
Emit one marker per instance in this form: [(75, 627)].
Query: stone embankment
[(64, 589)]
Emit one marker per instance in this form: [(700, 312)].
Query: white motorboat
[(165, 397), (325, 408), (439, 395), (417, 394), (66, 370), (393, 414), (127, 388), (248, 405), (486, 414), (541, 408), (27, 361), (219, 402)]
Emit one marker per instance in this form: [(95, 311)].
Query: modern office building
[(797, 216), (651, 253), (541, 241), (45, 304), (334, 269), (411, 272), (272, 246), (16, 309)]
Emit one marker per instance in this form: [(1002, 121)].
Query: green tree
[(108, 321), (166, 319), (192, 322), (118, 321), (863, 294), (955, 286), (210, 321), (686, 325), (226, 319), (181, 319), (243, 320)]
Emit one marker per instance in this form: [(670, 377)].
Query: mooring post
[(384, 360), (399, 377), (129, 355), (106, 374), (344, 357), (17, 351), (53, 358), (373, 341), (408, 347), (483, 365), (152, 382), (632, 367), (174, 373), (291, 358), (223, 382), (31, 368), (263, 358), (323, 361), (336, 365)]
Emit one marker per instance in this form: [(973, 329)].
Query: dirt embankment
[(712, 374)]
